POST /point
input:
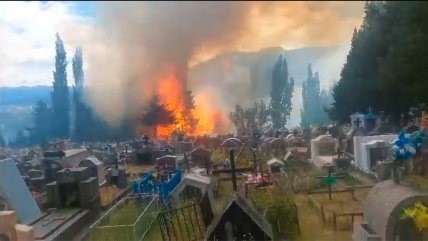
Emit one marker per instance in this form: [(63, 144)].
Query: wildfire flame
[(171, 94)]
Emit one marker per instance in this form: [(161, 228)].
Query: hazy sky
[(27, 32)]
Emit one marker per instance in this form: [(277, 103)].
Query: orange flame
[(170, 91)]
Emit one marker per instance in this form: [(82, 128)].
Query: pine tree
[(281, 93), (60, 94)]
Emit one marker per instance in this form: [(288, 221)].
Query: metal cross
[(330, 179), (357, 122)]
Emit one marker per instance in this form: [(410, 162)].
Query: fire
[(171, 94)]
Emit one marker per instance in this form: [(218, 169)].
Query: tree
[(157, 113), (314, 101), (189, 107), (385, 68), (83, 114), (247, 120), (60, 94), (40, 132), (281, 93)]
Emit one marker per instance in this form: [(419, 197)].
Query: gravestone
[(38, 184), (383, 210), (323, 150), (96, 167), (275, 165), (238, 220), (15, 192), (183, 147), (167, 163), (74, 188), (201, 157), (10, 230), (196, 187)]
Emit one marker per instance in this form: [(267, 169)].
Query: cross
[(370, 109), (357, 122), (330, 179)]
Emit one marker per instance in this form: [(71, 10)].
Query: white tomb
[(363, 150), (323, 150)]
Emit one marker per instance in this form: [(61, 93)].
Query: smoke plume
[(142, 42)]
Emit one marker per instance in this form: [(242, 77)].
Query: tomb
[(368, 150), (201, 157), (96, 167), (275, 165), (15, 193), (11, 230), (323, 150), (383, 209), (74, 188), (167, 163), (184, 147), (238, 220), (194, 186)]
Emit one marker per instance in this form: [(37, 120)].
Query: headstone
[(201, 157), (38, 184), (96, 167), (323, 150), (275, 165), (15, 192), (382, 213), (167, 163), (183, 147), (74, 187)]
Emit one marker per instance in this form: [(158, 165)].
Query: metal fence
[(130, 219)]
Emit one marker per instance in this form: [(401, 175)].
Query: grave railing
[(129, 219)]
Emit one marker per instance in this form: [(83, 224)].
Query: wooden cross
[(330, 179)]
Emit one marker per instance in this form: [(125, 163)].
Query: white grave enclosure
[(323, 150), (364, 150)]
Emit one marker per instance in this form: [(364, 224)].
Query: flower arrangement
[(419, 214)]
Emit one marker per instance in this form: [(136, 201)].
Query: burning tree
[(158, 116)]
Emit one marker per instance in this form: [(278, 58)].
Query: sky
[(27, 33)]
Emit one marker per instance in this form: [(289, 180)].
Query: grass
[(350, 180), (311, 225), (118, 225), (279, 210), (340, 203), (108, 193), (417, 181)]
